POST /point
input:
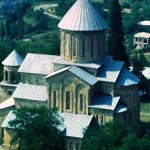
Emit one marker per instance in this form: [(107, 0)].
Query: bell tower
[(82, 32)]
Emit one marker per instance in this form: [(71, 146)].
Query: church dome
[(13, 59), (82, 16)]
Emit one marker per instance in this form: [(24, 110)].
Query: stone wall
[(36, 79), (67, 82), (129, 97), (102, 116), (28, 103), (82, 46)]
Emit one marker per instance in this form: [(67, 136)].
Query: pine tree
[(116, 40)]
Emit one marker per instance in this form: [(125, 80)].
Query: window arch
[(67, 100), (81, 102)]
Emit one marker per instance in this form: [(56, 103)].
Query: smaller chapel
[(85, 84)]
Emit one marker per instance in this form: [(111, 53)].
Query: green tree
[(36, 128), (116, 35), (138, 62), (105, 137)]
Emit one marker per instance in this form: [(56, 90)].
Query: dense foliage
[(113, 136), (36, 128)]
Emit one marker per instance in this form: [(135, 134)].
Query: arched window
[(92, 46), (75, 47), (81, 102), (67, 100), (54, 99), (6, 75), (77, 146), (83, 47)]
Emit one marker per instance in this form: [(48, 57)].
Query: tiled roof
[(142, 35), (76, 124), (38, 64), (8, 118), (110, 71), (30, 92), (82, 74), (94, 65), (104, 102), (82, 16), (127, 78), (73, 124), (3, 83), (13, 59), (7, 103)]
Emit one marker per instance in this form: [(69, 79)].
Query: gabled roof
[(82, 74), (38, 64), (7, 103), (82, 16), (104, 102), (110, 71), (13, 59), (30, 92), (76, 124), (127, 78)]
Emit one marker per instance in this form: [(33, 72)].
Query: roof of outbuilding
[(110, 71), (13, 59), (38, 64), (82, 16), (30, 92), (127, 78), (142, 35), (144, 23), (82, 74), (146, 72), (104, 102)]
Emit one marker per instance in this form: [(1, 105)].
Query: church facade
[(83, 82)]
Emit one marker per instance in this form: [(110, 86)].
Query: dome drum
[(82, 46)]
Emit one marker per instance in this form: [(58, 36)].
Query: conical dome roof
[(82, 16), (13, 59)]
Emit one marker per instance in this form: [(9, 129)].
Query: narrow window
[(67, 100), (81, 102), (102, 119), (92, 46), (145, 40), (6, 75), (66, 45), (54, 98), (83, 47), (75, 46)]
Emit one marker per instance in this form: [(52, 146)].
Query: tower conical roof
[(13, 59), (82, 16)]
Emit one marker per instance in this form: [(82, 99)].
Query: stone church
[(83, 82)]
